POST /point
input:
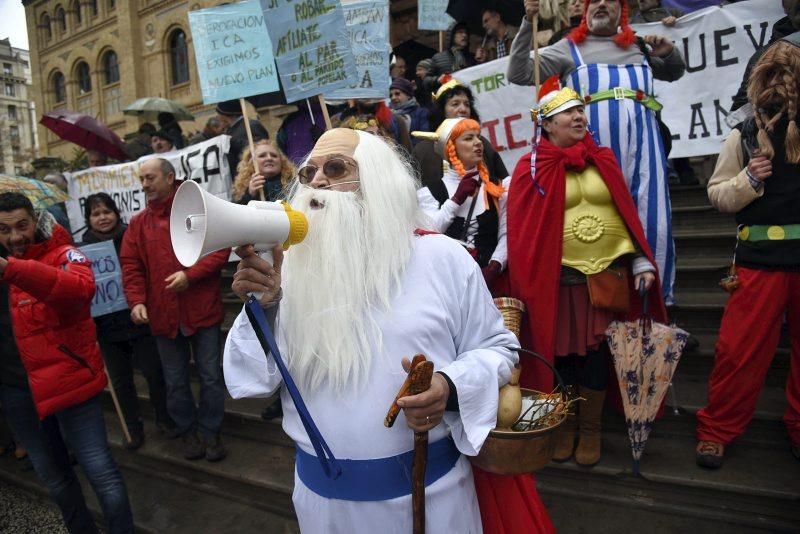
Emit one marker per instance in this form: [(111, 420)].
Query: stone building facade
[(98, 56), (18, 139)]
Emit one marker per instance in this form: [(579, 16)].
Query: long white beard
[(335, 282)]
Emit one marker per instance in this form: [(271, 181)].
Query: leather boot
[(589, 413), (565, 439)]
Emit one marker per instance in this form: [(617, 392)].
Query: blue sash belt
[(380, 479)]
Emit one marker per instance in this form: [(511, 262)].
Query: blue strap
[(330, 465), (378, 479)]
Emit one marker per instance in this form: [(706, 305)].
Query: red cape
[(535, 239)]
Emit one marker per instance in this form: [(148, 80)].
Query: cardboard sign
[(432, 15), (233, 51), (311, 45), (368, 28), (108, 295), (206, 163)]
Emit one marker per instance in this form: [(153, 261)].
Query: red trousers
[(748, 339)]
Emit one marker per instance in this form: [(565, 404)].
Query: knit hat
[(624, 38), (163, 134), (229, 107), (403, 85), (426, 64)]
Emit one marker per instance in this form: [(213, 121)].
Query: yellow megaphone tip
[(298, 226)]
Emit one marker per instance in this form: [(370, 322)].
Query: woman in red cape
[(570, 217)]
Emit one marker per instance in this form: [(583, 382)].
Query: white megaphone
[(201, 223)]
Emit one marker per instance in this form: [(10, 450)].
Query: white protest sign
[(368, 27), (719, 42), (716, 44), (233, 51), (504, 108), (205, 163)]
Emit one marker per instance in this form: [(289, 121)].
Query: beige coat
[(729, 189)]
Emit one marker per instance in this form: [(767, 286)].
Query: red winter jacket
[(147, 260), (50, 291)]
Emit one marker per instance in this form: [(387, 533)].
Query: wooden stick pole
[(246, 121), (118, 409), (537, 76), (325, 112), (441, 41)]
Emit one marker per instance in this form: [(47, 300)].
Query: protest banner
[(108, 295), (719, 41), (368, 28), (716, 44), (431, 15), (311, 45), (233, 51), (206, 163)]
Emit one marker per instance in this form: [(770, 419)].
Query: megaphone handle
[(264, 255)]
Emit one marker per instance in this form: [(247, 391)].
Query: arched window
[(179, 57), (46, 28), (59, 88), (61, 19), (76, 9), (110, 67), (111, 4), (84, 78), (93, 7)]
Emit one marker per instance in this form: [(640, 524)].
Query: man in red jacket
[(50, 291), (183, 308)]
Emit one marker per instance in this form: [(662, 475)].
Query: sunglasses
[(333, 169)]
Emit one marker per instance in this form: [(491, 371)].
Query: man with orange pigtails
[(612, 69)]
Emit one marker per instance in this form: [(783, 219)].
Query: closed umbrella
[(41, 194), (646, 354), (151, 106), (86, 132)]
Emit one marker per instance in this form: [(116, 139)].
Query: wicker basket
[(511, 452), (511, 309)]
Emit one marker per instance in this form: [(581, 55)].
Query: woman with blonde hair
[(275, 172), (756, 178)]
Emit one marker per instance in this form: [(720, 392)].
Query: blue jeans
[(204, 345), (83, 428)]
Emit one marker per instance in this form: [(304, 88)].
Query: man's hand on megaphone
[(177, 282), (256, 184), (255, 275)]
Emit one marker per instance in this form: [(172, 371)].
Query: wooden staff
[(418, 381), (441, 41), (325, 114), (246, 120), (537, 77), (118, 409)]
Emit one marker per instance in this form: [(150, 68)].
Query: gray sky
[(12, 23)]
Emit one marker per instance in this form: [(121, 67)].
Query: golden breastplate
[(594, 232)]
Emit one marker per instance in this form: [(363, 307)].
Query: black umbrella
[(469, 11)]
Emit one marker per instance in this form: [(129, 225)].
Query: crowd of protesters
[(53, 354)]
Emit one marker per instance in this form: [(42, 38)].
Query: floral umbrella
[(645, 357), (41, 194)]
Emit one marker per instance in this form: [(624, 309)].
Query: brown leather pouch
[(609, 289)]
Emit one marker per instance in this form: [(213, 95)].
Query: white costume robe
[(444, 311)]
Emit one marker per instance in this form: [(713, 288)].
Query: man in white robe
[(363, 293)]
